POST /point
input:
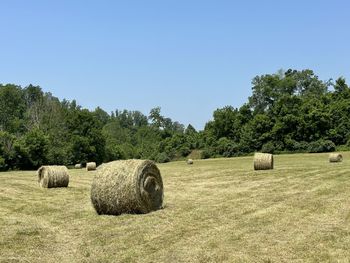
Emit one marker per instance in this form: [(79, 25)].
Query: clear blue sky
[(188, 57)]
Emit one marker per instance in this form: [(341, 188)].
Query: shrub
[(329, 146), (268, 147), (2, 164), (226, 148), (295, 146), (343, 148), (184, 151), (290, 144), (13, 153), (113, 153), (58, 155), (162, 158), (232, 150), (222, 145), (36, 144), (301, 146), (321, 146), (207, 153)]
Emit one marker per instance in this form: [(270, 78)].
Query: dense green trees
[(288, 111), (36, 128)]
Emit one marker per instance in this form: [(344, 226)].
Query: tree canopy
[(291, 111)]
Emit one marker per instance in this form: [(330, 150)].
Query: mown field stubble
[(215, 211)]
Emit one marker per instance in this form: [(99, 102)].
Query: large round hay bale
[(128, 186), (335, 158), (78, 166), (189, 161), (263, 161), (91, 166), (53, 176)]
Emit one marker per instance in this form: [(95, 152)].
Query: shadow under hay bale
[(335, 158), (189, 161), (53, 176), (128, 186), (263, 161), (78, 166), (91, 166)]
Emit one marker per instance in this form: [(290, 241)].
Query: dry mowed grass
[(215, 211)]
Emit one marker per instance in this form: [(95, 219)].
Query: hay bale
[(53, 176), (263, 161), (335, 158), (78, 166), (91, 166), (127, 186), (189, 161)]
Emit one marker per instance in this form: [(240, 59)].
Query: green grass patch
[(217, 210)]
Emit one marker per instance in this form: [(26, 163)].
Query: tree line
[(291, 111)]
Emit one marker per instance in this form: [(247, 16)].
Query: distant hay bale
[(189, 161), (78, 166), (91, 166), (127, 186), (263, 161), (335, 158), (53, 176)]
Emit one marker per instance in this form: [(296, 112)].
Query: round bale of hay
[(127, 186), (263, 161), (189, 161), (335, 158), (53, 176), (91, 166), (78, 166)]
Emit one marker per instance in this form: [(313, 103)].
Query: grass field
[(215, 211)]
